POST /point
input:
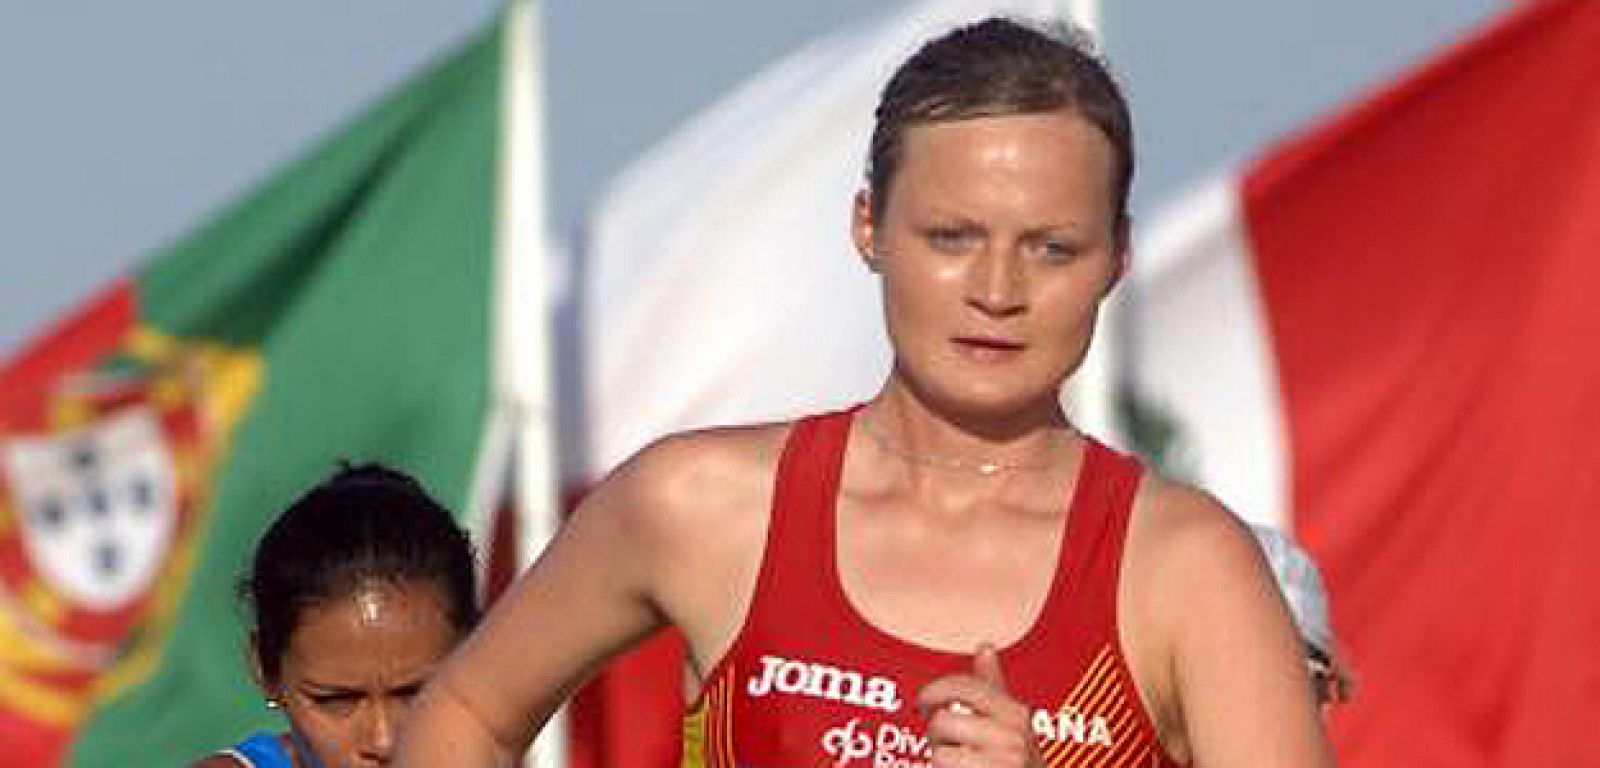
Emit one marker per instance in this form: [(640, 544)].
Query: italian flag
[(346, 308), (1383, 333)]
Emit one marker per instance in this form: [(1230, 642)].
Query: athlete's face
[(352, 667), (995, 247)]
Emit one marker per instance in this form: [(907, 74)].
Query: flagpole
[(1092, 394), (1086, 14), (523, 324)]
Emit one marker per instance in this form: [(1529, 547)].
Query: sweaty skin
[(997, 243), (353, 666)]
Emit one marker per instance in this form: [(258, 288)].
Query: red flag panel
[(1427, 260)]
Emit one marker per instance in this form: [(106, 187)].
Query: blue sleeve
[(262, 750)]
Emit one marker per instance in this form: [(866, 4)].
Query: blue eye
[(1057, 251), (950, 239)]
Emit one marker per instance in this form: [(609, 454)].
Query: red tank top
[(809, 682)]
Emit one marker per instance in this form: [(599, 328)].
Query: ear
[(862, 228)]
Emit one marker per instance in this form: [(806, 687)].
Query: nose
[(381, 732), (996, 283)]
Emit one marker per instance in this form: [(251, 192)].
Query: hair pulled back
[(363, 524), (995, 67)]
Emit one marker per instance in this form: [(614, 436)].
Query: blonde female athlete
[(948, 574)]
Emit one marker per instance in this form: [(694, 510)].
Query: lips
[(988, 347)]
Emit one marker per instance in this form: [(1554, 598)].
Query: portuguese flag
[(344, 309)]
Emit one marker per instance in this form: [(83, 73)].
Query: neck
[(919, 432)]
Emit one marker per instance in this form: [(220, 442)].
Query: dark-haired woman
[(356, 592), (949, 574)]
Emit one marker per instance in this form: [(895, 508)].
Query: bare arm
[(589, 596), (1231, 667)]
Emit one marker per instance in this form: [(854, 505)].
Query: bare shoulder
[(1189, 563), (1196, 600), (690, 479), (687, 504), (682, 460), (1190, 534), (694, 509), (646, 547), (1182, 545)]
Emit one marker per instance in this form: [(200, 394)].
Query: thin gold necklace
[(985, 467)]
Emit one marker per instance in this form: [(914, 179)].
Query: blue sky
[(126, 124)]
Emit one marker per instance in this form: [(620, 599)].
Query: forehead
[(1041, 160), (376, 634)]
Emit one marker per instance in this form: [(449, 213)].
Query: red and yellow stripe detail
[(708, 729), (1105, 690)]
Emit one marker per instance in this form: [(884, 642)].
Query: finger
[(942, 691), (953, 727), (954, 756), (978, 696), (986, 735), (986, 665), (993, 756), (959, 689)]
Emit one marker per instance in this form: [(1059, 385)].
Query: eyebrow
[(936, 219), (1056, 229), (317, 688), (940, 219)]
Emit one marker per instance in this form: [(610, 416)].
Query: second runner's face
[(996, 245), (353, 666)]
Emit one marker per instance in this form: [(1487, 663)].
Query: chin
[(982, 394), (978, 402)]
